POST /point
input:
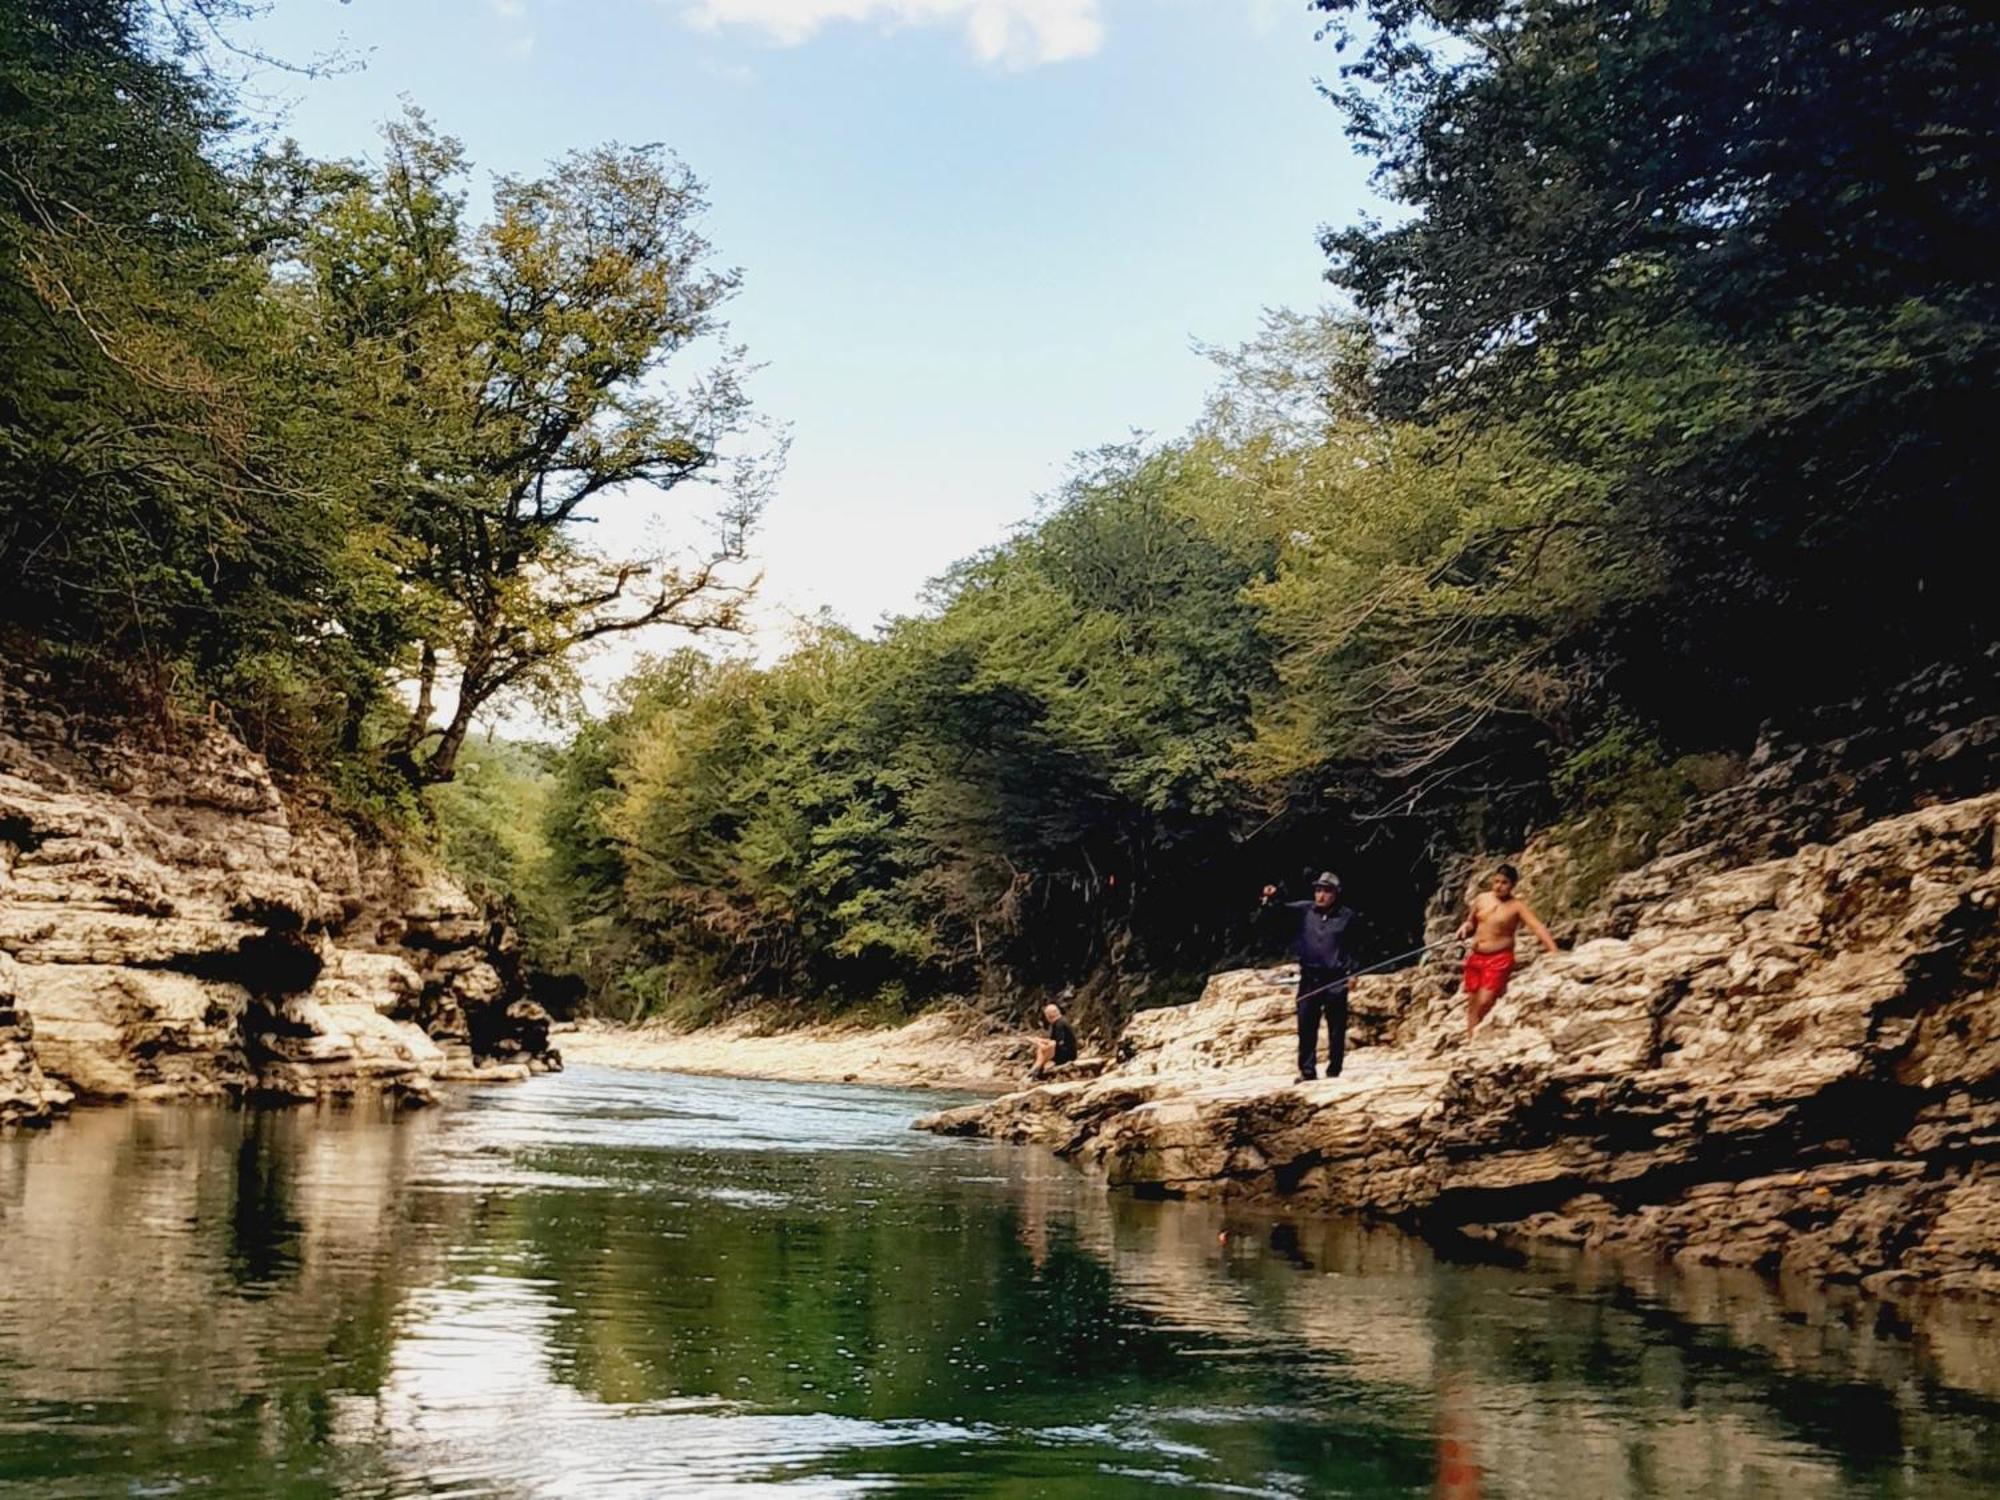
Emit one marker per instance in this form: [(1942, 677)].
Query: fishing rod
[(1376, 968)]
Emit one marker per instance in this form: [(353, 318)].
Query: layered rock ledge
[(1757, 1053), (171, 925)]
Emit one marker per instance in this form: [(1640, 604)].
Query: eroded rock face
[(1787, 1061), (170, 926)]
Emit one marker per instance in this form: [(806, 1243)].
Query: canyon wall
[(172, 924)]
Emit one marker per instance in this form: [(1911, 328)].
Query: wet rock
[(27, 1095)]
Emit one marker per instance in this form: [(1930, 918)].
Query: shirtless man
[(1497, 914)]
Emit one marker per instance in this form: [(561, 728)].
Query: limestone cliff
[(1774, 1045), (171, 924)]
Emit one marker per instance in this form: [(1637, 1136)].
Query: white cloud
[(513, 14), (1018, 33)]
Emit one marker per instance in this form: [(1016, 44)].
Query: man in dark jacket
[(1322, 945)]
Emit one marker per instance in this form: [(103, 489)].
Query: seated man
[(1059, 1046)]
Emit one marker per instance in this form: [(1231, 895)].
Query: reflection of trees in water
[(193, 1288), (1572, 1376), (842, 1283), (889, 1290), (888, 1287), (263, 1235), (1789, 1370)]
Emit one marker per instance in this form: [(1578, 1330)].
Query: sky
[(977, 237)]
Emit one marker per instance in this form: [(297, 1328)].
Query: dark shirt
[(1065, 1041), (1324, 938)]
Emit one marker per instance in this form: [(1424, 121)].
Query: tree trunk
[(401, 752), (420, 716), (443, 764)]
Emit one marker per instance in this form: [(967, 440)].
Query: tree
[(175, 508), (1735, 159), (1727, 259), (517, 377)]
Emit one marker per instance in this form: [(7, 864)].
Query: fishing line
[(1376, 967)]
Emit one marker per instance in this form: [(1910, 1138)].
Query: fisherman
[(1496, 915), (1322, 947), (1059, 1046)]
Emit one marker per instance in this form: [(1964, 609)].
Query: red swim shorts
[(1489, 971)]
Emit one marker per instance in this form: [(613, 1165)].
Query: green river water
[(621, 1285)]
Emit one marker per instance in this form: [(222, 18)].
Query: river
[(618, 1284)]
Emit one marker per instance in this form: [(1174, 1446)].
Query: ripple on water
[(468, 1380)]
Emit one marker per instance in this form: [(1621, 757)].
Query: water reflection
[(264, 1237), (609, 1285)]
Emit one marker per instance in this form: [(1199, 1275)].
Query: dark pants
[(1322, 992)]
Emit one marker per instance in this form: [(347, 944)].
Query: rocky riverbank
[(1775, 1045), (957, 1049), (173, 925)]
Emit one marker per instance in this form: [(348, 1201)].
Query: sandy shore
[(947, 1049)]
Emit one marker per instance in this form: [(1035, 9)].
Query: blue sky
[(977, 236)]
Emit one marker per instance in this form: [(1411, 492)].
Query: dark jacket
[(1065, 1040), (1321, 940)]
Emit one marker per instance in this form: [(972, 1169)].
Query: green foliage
[(168, 483), (1620, 795), (1327, 624), (1039, 780), (1729, 261), (278, 436), (490, 820), (1605, 771), (510, 378), (1571, 168), (1660, 412)]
